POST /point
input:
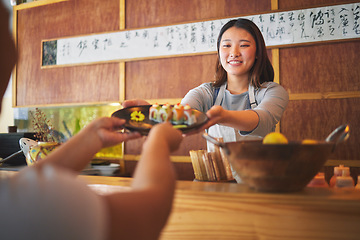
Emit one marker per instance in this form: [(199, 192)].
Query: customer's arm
[(143, 212), (134, 102), (78, 151)]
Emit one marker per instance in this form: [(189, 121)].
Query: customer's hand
[(168, 133), (134, 102), (107, 130)]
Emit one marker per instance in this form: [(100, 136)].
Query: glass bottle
[(345, 180), (337, 173)]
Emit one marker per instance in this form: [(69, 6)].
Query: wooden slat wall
[(79, 84), (300, 4), (329, 70), (322, 69)]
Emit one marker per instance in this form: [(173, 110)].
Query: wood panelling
[(81, 84), (169, 77), (331, 67), (299, 4), (316, 119), (140, 14), (326, 77)]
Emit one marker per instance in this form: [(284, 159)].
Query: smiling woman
[(237, 53), (243, 102)]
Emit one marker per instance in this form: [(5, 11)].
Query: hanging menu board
[(278, 28)]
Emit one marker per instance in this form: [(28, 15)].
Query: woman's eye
[(226, 45), (244, 45)]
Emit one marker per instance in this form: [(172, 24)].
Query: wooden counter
[(232, 211)]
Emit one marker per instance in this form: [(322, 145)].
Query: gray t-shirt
[(271, 98)]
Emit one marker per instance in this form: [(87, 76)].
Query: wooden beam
[(274, 4), (179, 159), (122, 11), (347, 163), (36, 4), (324, 95)]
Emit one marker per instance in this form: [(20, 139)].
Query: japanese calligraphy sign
[(278, 28)]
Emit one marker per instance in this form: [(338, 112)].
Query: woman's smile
[(235, 62)]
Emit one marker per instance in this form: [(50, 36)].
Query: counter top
[(204, 210)]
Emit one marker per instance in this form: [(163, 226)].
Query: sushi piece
[(178, 114), (189, 116), (154, 112), (165, 113)]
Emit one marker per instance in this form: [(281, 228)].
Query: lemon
[(309, 141), (275, 138)]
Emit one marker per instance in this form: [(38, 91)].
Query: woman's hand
[(245, 120), (216, 114)]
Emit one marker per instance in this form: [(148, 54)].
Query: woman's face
[(237, 52)]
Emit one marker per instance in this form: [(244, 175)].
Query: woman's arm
[(143, 212), (272, 99), (245, 120)]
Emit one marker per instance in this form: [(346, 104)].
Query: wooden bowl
[(277, 167)]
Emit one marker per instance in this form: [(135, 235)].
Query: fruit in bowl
[(275, 138)]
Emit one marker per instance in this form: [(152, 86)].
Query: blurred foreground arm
[(77, 152), (143, 212)]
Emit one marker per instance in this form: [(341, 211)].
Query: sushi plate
[(146, 124)]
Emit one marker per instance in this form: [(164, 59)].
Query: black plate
[(144, 126)]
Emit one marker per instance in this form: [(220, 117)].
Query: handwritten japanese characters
[(280, 28)]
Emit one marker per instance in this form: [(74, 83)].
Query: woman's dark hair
[(262, 70)]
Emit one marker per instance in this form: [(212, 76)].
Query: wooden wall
[(322, 79), (324, 85), (78, 84)]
